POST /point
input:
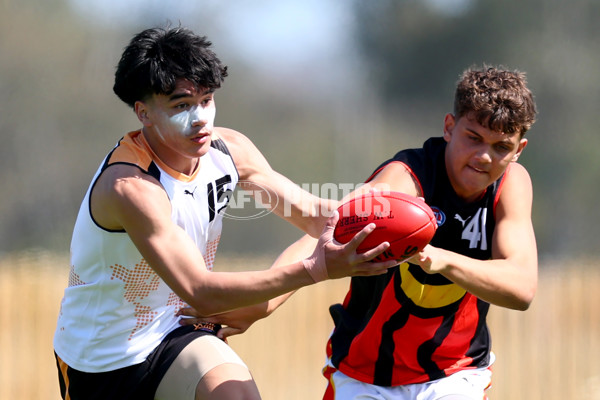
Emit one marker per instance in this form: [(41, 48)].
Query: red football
[(405, 221)]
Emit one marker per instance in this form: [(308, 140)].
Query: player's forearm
[(213, 294), (308, 214), (297, 251), (499, 282), (178, 262)]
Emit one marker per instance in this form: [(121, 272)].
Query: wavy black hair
[(155, 58)]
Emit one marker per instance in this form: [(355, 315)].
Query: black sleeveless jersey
[(409, 326)]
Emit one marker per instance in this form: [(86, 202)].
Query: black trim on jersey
[(346, 328), (478, 350), (109, 155), (427, 348), (152, 171), (384, 366), (219, 144)]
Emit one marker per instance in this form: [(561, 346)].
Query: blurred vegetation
[(319, 122)]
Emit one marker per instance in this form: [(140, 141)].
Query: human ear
[(449, 122), (141, 110), (522, 145)]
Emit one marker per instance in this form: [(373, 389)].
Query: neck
[(169, 157)]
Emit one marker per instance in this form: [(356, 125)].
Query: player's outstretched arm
[(139, 205), (239, 321), (330, 260), (325, 259)]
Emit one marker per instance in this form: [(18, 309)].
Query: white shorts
[(466, 385)]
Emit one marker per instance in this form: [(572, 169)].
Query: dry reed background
[(549, 352)]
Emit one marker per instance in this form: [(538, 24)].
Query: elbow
[(522, 306), (524, 293), (516, 299), (523, 302), (526, 303), (205, 307), (208, 311), (202, 309)]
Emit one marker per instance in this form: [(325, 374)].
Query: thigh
[(197, 367), (227, 382)]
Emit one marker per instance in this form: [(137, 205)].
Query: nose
[(199, 116), (483, 155)]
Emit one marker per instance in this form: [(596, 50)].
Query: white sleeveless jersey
[(116, 309)]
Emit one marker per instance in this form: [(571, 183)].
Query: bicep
[(143, 210), (514, 237)]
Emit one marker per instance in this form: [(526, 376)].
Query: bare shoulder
[(516, 195), (234, 140), (518, 172), (123, 191), (395, 176), (123, 180), (517, 180)]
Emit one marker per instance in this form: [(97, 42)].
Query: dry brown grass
[(548, 352)]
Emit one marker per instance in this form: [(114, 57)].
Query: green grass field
[(548, 352)]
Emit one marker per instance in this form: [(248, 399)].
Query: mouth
[(200, 138), (477, 170)]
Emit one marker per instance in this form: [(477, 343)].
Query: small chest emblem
[(461, 220), (190, 193), (440, 217)]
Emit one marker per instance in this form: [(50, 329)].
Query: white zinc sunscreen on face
[(183, 121)]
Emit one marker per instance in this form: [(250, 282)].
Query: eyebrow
[(505, 137), (178, 96)]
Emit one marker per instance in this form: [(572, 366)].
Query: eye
[(181, 106), (206, 101), (503, 148)]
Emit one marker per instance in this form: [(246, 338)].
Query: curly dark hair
[(496, 98), (155, 58)]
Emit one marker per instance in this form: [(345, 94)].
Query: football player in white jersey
[(147, 231)]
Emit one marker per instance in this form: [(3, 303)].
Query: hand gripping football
[(405, 221)]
